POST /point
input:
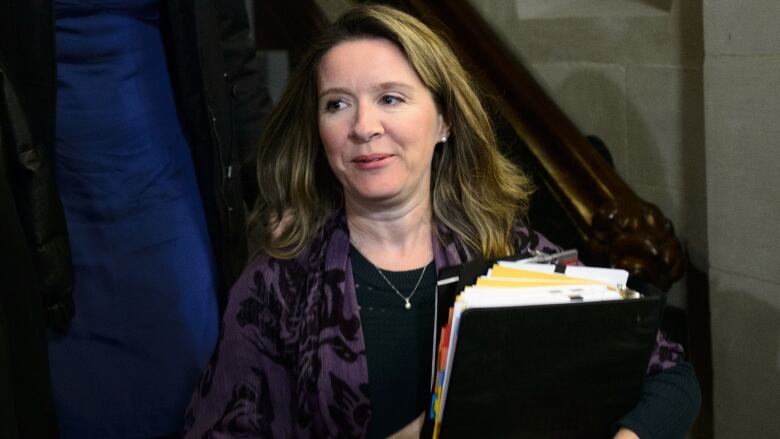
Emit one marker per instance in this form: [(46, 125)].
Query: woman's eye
[(335, 105), (391, 100)]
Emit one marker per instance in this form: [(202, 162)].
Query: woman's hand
[(625, 433), (411, 431)]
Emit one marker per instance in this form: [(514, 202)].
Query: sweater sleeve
[(668, 404)]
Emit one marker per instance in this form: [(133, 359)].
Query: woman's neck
[(393, 239)]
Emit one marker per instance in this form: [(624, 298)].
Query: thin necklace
[(406, 299)]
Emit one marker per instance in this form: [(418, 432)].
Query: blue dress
[(146, 309)]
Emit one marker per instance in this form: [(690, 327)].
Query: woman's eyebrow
[(394, 85), (334, 90), (390, 85)]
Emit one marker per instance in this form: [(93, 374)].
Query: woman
[(379, 169)]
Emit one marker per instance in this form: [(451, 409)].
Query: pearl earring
[(443, 139)]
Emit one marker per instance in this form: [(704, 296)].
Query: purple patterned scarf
[(291, 356)]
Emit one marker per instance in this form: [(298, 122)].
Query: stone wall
[(742, 108)]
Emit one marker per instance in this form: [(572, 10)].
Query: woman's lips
[(371, 161)]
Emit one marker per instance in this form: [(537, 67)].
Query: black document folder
[(549, 371)]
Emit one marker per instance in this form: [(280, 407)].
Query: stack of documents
[(525, 296)]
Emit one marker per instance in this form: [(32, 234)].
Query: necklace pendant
[(408, 305)]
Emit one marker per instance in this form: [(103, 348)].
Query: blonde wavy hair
[(475, 191)]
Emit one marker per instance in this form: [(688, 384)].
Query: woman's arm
[(668, 404)]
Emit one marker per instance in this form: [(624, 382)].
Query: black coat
[(222, 104), (26, 409)]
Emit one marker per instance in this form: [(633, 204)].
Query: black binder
[(549, 371)]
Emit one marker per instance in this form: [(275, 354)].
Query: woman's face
[(378, 123)]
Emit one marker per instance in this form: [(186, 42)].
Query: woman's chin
[(382, 198), (378, 198), (384, 195)]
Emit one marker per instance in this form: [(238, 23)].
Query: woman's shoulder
[(283, 281), (270, 281), (525, 239)]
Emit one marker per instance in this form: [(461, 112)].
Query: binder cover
[(549, 371)]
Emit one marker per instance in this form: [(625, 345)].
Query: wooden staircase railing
[(613, 225)]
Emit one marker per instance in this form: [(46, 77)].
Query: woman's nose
[(368, 123)]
